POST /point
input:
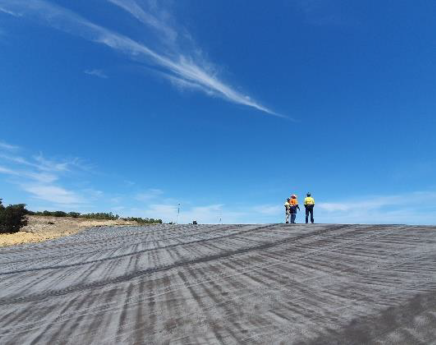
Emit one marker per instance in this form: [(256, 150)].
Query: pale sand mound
[(46, 228)]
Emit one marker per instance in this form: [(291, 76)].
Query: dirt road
[(223, 284)]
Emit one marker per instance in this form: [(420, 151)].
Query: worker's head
[(288, 199), (294, 196), (308, 194)]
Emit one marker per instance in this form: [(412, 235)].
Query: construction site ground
[(223, 284)]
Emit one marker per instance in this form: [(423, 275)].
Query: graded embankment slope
[(223, 284)]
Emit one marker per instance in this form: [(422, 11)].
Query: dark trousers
[(309, 210)]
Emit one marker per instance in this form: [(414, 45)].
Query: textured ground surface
[(41, 228), (223, 284)]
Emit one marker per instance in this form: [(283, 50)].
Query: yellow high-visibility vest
[(309, 201)]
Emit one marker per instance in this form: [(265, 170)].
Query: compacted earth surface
[(223, 284)]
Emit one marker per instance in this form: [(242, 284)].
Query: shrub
[(105, 216), (99, 216), (59, 214), (74, 214), (12, 218), (144, 220)]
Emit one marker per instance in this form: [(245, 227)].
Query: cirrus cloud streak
[(177, 66)]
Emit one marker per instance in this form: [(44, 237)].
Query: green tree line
[(99, 215)]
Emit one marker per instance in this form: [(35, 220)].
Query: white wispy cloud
[(16, 159), (39, 177), (40, 163), (45, 179), (186, 69), (51, 165), (269, 210), (7, 171), (97, 73), (55, 194), (165, 212), (8, 147), (42, 177), (411, 208), (129, 183), (42, 186), (5, 10), (149, 195), (207, 214), (147, 18)]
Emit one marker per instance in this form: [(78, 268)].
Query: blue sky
[(226, 107)]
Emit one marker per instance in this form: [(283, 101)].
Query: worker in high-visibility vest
[(309, 204), (294, 208), (288, 209)]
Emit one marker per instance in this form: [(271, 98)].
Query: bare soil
[(42, 228)]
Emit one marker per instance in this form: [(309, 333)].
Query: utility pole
[(178, 212)]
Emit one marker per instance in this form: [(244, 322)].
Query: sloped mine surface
[(223, 284)]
